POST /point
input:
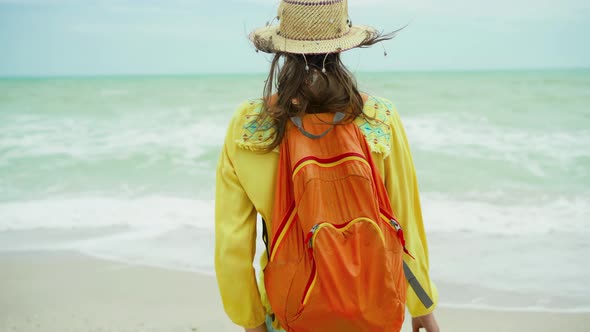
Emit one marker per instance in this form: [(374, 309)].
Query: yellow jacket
[(245, 187)]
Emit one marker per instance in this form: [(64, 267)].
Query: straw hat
[(311, 27)]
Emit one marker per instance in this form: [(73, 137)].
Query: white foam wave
[(152, 212), (454, 214), (174, 134), (442, 213), (505, 308), (473, 136)]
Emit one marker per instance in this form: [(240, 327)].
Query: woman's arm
[(402, 188), (235, 240)]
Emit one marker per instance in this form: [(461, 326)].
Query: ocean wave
[(443, 213), (475, 213), (502, 307), (175, 134), (476, 136), (158, 213)]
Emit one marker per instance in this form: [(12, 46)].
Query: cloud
[(505, 9), (501, 9), (36, 2), (511, 9)]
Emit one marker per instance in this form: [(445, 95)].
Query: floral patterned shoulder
[(376, 124), (257, 134)]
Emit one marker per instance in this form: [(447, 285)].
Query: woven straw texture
[(311, 27)]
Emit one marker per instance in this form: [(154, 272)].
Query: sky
[(109, 37)]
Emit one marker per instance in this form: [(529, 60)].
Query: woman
[(312, 80)]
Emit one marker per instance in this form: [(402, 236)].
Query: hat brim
[(267, 39)]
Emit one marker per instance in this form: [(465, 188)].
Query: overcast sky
[(105, 37)]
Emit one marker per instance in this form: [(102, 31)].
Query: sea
[(123, 168)]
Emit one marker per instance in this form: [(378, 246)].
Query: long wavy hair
[(301, 90)]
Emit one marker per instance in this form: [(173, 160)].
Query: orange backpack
[(335, 255)]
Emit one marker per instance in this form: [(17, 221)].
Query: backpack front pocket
[(350, 283)]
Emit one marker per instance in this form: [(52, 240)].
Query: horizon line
[(197, 74)]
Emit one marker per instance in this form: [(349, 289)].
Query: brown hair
[(301, 90)]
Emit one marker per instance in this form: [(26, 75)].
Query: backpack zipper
[(341, 228)]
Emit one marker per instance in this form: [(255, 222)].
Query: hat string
[(306, 65), (324, 64)]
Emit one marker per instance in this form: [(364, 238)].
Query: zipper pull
[(400, 234), (395, 225), (309, 239)]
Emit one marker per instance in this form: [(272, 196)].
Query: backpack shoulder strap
[(338, 117)]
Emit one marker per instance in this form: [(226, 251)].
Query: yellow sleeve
[(235, 238), (402, 188)]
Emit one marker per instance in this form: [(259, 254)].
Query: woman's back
[(246, 178), (306, 77), (247, 139)]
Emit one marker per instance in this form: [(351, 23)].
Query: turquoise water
[(124, 168)]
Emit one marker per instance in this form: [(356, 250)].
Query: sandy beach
[(66, 291)]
